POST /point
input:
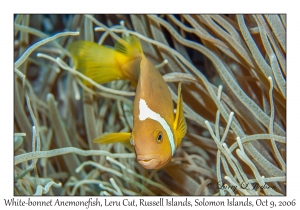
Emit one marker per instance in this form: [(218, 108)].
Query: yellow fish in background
[(156, 131)]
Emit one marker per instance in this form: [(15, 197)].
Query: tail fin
[(103, 64), (95, 61)]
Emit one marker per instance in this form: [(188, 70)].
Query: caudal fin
[(104, 64), (95, 61)]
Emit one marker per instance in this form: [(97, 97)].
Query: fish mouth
[(152, 161)]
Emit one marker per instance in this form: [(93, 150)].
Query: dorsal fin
[(128, 48), (179, 123)]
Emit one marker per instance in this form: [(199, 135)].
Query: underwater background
[(233, 74)]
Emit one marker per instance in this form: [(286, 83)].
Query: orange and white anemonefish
[(157, 132)]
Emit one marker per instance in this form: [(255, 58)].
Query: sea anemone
[(233, 74)]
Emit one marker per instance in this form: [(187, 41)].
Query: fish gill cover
[(233, 74)]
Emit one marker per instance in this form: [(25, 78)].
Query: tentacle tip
[(207, 124), (122, 23), (272, 57), (99, 28), (50, 97)]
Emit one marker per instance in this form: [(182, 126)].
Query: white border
[(8, 8)]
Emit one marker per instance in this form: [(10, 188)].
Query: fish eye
[(159, 137)]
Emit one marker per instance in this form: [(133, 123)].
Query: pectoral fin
[(179, 123), (109, 138)]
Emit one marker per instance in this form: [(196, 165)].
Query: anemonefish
[(157, 132)]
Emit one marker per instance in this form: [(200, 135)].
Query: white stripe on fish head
[(146, 112)]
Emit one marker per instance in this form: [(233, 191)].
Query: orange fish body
[(156, 131), (153, 116)]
